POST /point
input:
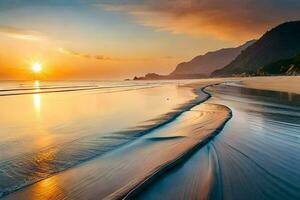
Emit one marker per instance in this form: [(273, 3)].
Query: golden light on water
[(37, 97), (37, 102), (36, 67), (37, 85)]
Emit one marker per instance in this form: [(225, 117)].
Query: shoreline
[(289, 84), (128, 136), (256, 148), (191, 146), (175, 163), (260, 83), (126, 193), (199, 88)]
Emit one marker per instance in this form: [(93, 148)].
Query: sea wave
[(73, 88), (20, 171)]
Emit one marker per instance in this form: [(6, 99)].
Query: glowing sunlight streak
[(37, 85), (37, 97), (37, 102)]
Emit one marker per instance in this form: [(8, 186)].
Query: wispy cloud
[(108, 58), (22, 34), (230, 19), (84, 55)]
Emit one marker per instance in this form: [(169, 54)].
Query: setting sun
[(36, 67)]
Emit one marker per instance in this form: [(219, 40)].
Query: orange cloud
[(74, 53), (228, 20), (102, 57)]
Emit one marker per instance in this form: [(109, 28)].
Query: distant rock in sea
[(154, 76), (282, 42)]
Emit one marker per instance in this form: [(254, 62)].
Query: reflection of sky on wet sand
[(45, 187), (254, 157)]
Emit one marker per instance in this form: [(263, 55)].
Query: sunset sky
[(101, 39)]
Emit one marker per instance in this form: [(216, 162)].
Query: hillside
[(211, 61), (282, 67), (281, 42)]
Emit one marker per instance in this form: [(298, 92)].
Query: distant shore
[(276, 83)]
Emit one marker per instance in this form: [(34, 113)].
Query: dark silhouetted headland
[(282, 42)]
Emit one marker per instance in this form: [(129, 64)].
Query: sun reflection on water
[(37, 85), (37, 97), (37, 102)]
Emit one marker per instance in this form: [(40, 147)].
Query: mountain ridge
[(210, 61), (281, 42)]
